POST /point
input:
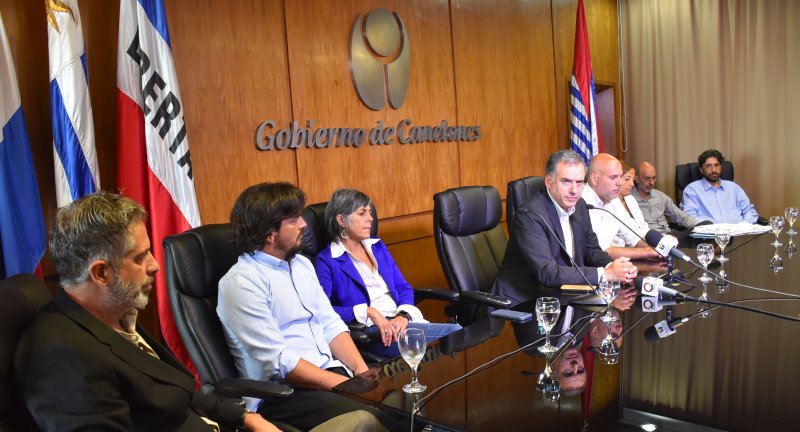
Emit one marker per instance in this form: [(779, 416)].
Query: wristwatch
[(244, 414), (404, 314)]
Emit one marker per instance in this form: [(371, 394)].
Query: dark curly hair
[(260, 209), (701, 160)]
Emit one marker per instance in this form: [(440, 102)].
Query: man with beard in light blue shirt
[(714, 199)]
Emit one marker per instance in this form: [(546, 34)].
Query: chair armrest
[(239, 387), (358, 332), (441, 294), (487, 299)]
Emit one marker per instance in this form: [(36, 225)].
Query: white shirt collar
[(591, 197), (560, 211), (338, 249)]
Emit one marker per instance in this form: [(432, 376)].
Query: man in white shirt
[(602, 190)]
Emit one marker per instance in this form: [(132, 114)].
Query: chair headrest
[(468, 210), (200, 257), (315, 236), (521, 190)]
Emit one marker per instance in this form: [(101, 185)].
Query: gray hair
[(95, 227), (569, 157), (343, 202)]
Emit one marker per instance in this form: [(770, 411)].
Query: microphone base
[(671, 279)]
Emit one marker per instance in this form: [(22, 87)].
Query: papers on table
[(740, 229)]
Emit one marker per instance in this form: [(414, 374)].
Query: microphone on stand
[(665, 246), (664, 328)]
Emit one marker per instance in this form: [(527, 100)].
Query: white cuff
[(360, 314), (415, 313)]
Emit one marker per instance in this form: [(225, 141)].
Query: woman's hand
[(388, 334), (399, 325)]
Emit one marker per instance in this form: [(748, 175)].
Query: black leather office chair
[(519, 191), (21, 298), (687, 173), (195, 261), (470, 243)]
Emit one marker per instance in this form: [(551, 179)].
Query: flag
[(74, 154), (584, 136), (22, 239), (154, 166)]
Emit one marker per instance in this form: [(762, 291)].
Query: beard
[(125, 294)]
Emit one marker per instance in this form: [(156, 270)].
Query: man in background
[(657, 208), (714, 199)]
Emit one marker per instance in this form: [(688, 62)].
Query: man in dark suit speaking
[(552, 242)]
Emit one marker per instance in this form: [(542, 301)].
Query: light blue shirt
[(724, 204), (273, 314)]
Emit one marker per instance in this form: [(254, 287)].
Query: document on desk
[(739, 229)]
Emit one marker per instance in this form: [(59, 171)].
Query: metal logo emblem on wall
[(380, 59)]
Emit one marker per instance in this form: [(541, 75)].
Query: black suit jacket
[(77, 373), (534, 257)]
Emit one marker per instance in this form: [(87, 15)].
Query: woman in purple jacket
[(362, 280)]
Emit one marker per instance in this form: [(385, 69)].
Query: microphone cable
[(647, 314), (737, 306), (591, 207), (564, 248), (790, 295)]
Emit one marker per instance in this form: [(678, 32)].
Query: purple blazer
[(345, 287)]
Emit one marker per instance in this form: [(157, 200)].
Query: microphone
[(653, 287), (665, 245), (664, 328), (649, 233)]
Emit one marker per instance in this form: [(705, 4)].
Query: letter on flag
[(74, 154), (21, 221), (154, 167), (584, 136)]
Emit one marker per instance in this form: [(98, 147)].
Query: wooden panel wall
[(502, 65)]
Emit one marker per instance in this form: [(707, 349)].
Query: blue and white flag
[(21, 221), (74, 153), (584, 136)]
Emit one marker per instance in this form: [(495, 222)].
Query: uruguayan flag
[(75, 157)]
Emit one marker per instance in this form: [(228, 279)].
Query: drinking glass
[(412, 347), (722, 236), (776, 223), (609, 288), (547, 383), (547, 311), (609, 351), (703, 308), (791, 216), (791, 247), (705, 253), (776, 263)]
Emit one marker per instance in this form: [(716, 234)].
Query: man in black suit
[(84, 363), (552, 242)]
